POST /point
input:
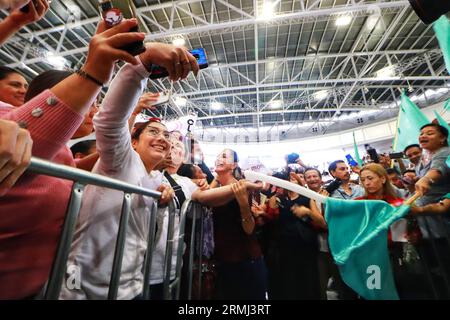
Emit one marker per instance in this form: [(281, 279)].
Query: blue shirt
[(357, 191)]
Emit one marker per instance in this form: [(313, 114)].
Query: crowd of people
[(265, 242)]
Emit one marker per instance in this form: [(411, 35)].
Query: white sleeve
[(111, 122), (190, 187)]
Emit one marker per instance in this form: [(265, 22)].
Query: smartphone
[(163, 98), (396, 155), (26, 8), (199, 54), (351, 161), (111, 10), (373, 155)]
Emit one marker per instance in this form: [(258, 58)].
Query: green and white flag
[(442, 29), (358, 158), (358, 239), (410, 119)]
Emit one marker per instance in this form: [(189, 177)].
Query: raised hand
[(177, 61), (146, 101), (36, 10), (104, 48)]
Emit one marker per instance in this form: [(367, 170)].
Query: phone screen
[(351, 161), (199, 54)]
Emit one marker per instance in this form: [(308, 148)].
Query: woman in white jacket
[(134, 162)]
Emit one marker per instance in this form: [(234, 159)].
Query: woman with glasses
[(130, 159)]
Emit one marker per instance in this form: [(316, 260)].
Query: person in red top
[(405, 260)]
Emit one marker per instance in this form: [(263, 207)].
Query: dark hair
[(186, 170), (45, 81), (281, 175), (391, 171), (415, 145), (443, 130), (82, 147), (237, 172), (139, 127), (313, 169), (409, 170), (6, 71), (333, 165)]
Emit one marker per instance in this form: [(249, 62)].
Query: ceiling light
[(320, 95), (268, 11), (57, 62), (216, 106), (343, 21), (276, 104), (178, 42), (181, 102), (385, 73)]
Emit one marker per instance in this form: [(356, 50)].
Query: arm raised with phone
[(19, 18)]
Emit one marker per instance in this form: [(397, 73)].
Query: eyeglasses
[(155, 133)]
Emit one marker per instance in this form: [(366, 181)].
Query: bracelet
[(86, 75)]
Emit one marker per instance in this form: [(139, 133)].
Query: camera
[(333, 185), (430, 10)]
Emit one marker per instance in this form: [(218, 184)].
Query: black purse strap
[(179, 194)]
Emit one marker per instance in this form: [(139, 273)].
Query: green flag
[(410, 119), (442, 122), (442, 29), (358, 158), (358, 235), (447, 105)]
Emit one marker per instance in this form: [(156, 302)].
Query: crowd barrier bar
[(149, 254), (187, 206), (82, 178)]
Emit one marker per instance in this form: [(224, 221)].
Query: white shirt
[(95, 237), (162, 221)]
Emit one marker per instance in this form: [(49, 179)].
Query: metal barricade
[(82, 178), (194, 211)]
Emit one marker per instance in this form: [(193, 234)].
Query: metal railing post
[(183, 214), (169, 249), (191, 254), (120, 247), (62, 253), (200, 251), (149, 253)]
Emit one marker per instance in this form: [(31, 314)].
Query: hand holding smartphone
[(199, 54), (113, 11), (351, 161)]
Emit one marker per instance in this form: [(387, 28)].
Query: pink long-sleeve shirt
[(32, 212)]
